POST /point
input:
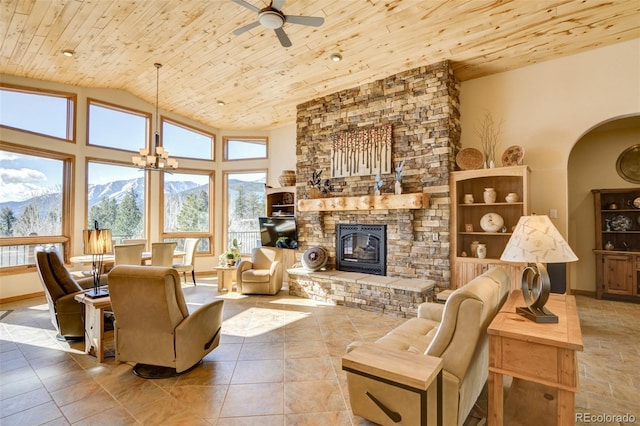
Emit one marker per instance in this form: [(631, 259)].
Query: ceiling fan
[(272, 17)]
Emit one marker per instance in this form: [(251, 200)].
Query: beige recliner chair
[(455, 332), (67, 315), (262, 274), (153, 327)]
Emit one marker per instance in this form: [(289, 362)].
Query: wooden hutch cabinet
[(617, 223), (466, 218)]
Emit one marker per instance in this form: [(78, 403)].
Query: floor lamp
[(537, 242), (97, 242)]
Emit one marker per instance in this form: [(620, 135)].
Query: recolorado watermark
[(605, 418)]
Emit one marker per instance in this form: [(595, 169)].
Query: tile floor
[(278, 364)]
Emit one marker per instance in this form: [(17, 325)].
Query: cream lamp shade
[(536, 240)]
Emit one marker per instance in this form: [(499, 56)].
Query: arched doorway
[(592, 165)]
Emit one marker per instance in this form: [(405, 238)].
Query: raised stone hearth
[(393, 296)]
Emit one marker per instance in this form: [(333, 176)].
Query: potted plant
[(282, 242)]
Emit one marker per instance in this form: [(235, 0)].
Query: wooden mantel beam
[(366, 202)]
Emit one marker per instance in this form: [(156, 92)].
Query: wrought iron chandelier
[(158, 158)]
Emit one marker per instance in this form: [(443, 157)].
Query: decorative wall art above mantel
[(361, 152)]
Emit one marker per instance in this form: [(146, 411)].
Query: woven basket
[(287, 178)]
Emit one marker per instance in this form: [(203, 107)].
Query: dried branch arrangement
[(489, 133)]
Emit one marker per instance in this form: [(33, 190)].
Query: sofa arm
[(431, 311)]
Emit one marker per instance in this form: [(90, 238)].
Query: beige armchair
[(60, 288), (262, 274), (455, 332), (153, 327)]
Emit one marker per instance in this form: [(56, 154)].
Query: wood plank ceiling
[(117, 42)]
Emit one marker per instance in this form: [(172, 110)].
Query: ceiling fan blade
[(246, 28), (282, 36), (277, 4), (247, 5), (312, 21)]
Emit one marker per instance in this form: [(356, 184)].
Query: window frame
[(225, 202), (209, 235), (147, 191), (164, 119), (225, 147), (67, 214), (72, 105), (148, 116)]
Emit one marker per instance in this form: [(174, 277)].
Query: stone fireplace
[(362, 248), (421, 105)]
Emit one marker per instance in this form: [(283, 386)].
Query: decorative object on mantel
[(377, 185), (361, 152), (314, 258), (536, 241), (398, 184), (513, 156), (628, 164), (491, 222), (158, 158), (469, 159), (488, 133), (287, 178), (318, 187)]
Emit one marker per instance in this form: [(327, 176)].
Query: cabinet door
[(618, 278)]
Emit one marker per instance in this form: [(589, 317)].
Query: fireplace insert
[(362, 248)]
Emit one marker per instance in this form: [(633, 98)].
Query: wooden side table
[(537, 352), (225, 277), (94, 323), (379, 372)]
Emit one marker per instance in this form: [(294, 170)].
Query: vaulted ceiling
[(116, 43)]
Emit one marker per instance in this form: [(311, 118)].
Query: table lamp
[(97, 242), (536, 241)]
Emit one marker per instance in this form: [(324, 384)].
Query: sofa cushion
[(256, 276), (413, 335)]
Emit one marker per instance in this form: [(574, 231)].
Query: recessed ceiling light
[(335, 57), (68, 53), (220, 103)]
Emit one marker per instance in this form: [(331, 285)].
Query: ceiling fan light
[(271, 19)]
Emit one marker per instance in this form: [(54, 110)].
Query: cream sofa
[(456, 332)]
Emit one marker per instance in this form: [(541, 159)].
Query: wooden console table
[(539, 353)]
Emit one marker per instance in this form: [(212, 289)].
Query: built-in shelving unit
[(281, 201), (366, 202), (465, 219)]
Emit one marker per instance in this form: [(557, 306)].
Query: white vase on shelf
[(398, 188), (482, 251), (489, 195)]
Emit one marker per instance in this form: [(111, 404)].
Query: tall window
[(116, 127), (184, 141), (245, 195), (34, 203), (44, 112), (115, 199), (187, 200), (244, 148)]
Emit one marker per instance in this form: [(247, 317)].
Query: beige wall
[(592, 165), (547, 108)]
